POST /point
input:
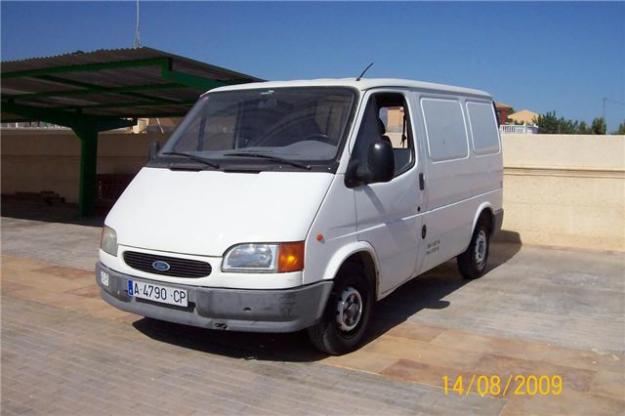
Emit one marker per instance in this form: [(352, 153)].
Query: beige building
[(394, 120), (159, 125), (526, 117)]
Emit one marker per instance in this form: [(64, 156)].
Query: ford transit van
[(282, 206)]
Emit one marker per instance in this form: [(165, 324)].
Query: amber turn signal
[(291, 257)]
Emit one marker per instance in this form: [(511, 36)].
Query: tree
[(620, 129), (548, 123), (508, 112), (567, 126), (583, 128), (598, 126)]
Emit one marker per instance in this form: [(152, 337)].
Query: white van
[(281, 206)]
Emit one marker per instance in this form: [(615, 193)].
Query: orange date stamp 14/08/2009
[(498, 386)]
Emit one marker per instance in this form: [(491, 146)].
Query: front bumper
[(253, 310)]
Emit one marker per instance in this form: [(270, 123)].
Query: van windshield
[(306, 124)]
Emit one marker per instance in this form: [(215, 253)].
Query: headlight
[(264, 258), (108, 242)]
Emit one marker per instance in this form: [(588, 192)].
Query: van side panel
[(458, 180)]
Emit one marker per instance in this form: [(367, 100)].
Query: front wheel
[(472, 263), (345, 319)]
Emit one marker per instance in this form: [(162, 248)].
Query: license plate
[(158, 293)]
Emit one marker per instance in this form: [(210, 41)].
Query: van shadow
[(429, 291), (425, 292)]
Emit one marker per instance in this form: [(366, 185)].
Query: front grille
[(177, 267)]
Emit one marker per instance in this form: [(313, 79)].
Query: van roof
[(362, 85)]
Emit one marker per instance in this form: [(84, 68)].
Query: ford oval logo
[(161, 266)]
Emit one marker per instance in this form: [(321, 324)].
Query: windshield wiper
[(193, 157), (269, 157)]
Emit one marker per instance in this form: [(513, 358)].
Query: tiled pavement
[(538, 311)]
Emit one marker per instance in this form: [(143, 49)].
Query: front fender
[(346, 251)]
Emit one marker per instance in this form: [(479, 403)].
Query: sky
[(540, 56)]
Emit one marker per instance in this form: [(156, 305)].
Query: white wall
[(563, 190)]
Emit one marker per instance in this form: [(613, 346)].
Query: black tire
[(472, 263), (328, 335)]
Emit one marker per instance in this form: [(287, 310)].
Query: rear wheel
[(347, 313), (472, 263)]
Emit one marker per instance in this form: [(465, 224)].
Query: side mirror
[(155, 147), (381, 161), (380, 166)]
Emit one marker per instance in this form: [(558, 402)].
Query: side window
[(386, 118), (446, 132), (483, 127)]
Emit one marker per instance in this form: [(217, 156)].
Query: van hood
[(206, 212)]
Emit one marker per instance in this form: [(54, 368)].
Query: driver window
[(386, 118)]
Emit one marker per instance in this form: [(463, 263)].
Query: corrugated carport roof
[(102, 90), (107, 85)]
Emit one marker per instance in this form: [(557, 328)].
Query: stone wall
[(562, 190), (565, 190), (49, 160)]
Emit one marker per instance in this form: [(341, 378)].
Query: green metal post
[(88, 135)]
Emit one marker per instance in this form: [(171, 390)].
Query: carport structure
[(91, 92)]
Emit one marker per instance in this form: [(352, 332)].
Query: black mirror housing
[(380, 166), (381, 162)]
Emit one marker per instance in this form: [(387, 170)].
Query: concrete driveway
[(539, 311)]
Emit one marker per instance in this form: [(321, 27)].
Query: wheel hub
[(481, 244), (349, 309)]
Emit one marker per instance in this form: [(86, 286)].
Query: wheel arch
[(485, 209), (361, 253)]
